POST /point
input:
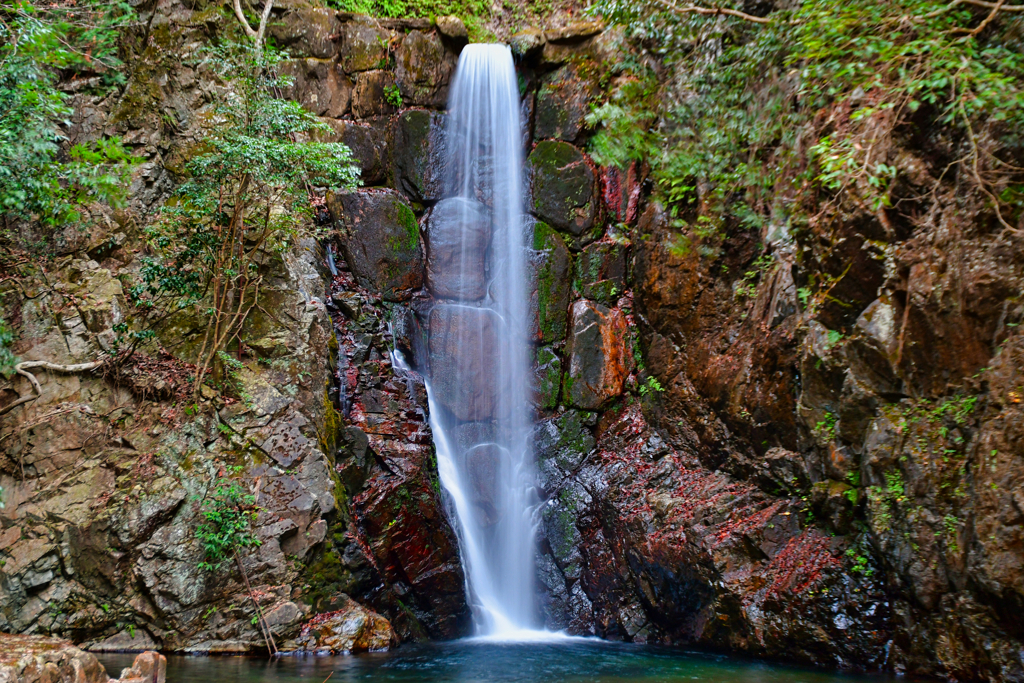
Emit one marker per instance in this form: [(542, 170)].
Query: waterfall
[(478, 383)]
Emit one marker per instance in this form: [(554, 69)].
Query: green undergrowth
[(808, 104), (472, 12)]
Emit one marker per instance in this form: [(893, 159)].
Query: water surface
[(468, 662)]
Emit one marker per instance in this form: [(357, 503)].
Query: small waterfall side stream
[(479, 327)]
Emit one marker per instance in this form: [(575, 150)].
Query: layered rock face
[(104, 476), (834, 482)]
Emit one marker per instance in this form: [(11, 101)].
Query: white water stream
[(479, 372)]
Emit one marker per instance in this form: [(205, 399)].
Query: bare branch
[(237, 5), (23, 370), (988, 19), (995, 6), (713, 11), (256, 35)]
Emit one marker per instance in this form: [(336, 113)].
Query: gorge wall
[(833, 482)]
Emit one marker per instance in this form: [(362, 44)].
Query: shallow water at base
[(476, 662)]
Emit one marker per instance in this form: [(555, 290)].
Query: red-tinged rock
[(599, 355), (350, 629)]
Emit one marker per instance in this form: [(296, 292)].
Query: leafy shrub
[(228, 513)]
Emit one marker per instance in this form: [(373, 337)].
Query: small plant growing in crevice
[(827, 428), (651, 386), (393, 95)]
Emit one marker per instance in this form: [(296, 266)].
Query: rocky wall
[(832, 482)]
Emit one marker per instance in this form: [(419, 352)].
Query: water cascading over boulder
[(477, 239)]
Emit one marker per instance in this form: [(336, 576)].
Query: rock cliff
[(833, 480)]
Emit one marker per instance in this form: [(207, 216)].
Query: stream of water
[(577, 661), (479, 343)]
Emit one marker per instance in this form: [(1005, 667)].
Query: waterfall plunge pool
[(466, 661)]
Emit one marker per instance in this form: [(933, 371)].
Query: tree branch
[(23, 370), (712, 10), (995, 6), (257, 35), (988, 19)]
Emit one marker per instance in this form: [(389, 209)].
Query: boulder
[(363, 47), (463, 361), (368, 143), (148, 667), (418, 155), (562, 105), (601, 271), (136, 640), (353, 628), (423, 69), (451, 27), (599, 355), (319, 85), (562, 186), (550, 268), (369, 97), (457, 234), (37, 659), (527, 42), (306, 31), (574, 31), (547, 378), (380, 241), (483, 465)]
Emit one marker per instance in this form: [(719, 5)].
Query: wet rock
[(562, 105), (319, 85), (369, 97), (423, 69), (148, 667), (463, 367), (306, 31), (350, 629), (560, 444), (601, 271), (547, 378), (562, 186), (380, 241), (550, 266), (37, 659), (363, 47), (458, 232), (483, 465), (418, 154), (598, 353)]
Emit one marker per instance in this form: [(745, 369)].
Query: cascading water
[(479, 327)]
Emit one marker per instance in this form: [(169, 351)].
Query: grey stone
[(418, 154), (463, 366), (562, 186), (380, 241), (458, 232)]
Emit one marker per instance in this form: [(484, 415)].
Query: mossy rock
[(547, 378), (562, 186), (551, 269), (562, 105), (380, 241), (600, 273), (416, 154)]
